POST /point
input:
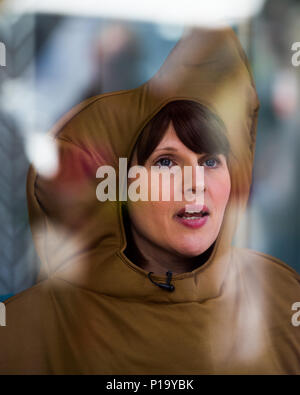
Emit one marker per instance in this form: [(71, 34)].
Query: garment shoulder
[(268, 269), (29, 294), (262, 259), (25, 311), (22, 338)]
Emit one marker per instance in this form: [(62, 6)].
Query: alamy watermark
[(2, 54), (2, 314), (296, 316), (138, 189), (296, 56)]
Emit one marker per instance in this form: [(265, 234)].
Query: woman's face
[(158, 222)]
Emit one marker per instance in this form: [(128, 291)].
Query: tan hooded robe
[(93, 310)]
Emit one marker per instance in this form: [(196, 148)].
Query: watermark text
[(296, 316), (2, 54), (296, 56), (2, 314), (149, 184)]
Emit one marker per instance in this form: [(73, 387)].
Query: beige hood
[(75, 234)]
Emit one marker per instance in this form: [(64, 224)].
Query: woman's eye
[(164, 162), (212, 162)]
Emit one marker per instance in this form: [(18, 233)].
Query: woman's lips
[(193, 222), (192, 219)]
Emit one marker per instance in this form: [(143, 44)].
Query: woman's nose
[(193, 180)]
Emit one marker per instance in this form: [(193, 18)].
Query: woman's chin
[(192, 251)]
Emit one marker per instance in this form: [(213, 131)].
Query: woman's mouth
[(192, 219)]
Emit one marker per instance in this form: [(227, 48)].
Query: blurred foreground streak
[(18, 260)]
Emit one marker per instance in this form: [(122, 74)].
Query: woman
[(184, 133), (103, 304)]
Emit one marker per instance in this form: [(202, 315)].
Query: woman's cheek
[(145, 214), (218, 186)]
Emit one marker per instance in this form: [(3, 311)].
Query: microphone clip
[(167, 286)]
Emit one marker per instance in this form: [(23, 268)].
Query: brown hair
[(199, 129)]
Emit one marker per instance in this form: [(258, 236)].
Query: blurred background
[(54, 55)]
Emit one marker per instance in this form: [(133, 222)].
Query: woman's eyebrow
[(167, 149)]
